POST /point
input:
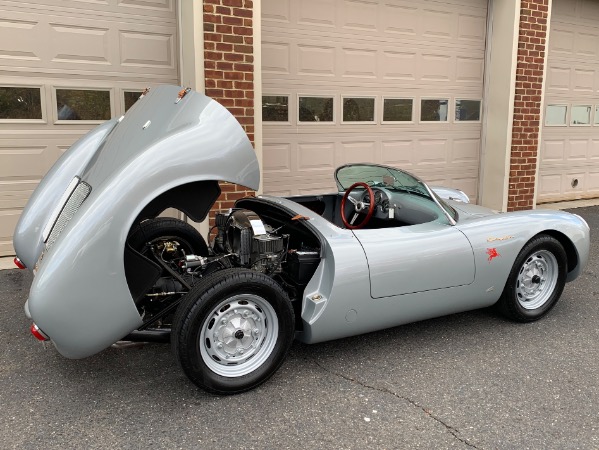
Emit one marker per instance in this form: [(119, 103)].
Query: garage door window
[(398, 110), (20, 103), (80, 104), (556, 115), (580, 115), (434, 110), (275, 108), (315, 109), (358, 109), (467, 110), (596, 115), (130, 97)]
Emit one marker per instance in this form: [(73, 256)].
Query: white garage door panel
[(109, 45), (382, 49), (347, 65), (152, 9), (308, 161), (570, 153), (95, 43)]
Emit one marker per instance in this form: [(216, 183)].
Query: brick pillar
[(229, 71), (527, 103)]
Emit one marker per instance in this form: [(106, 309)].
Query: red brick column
[(229, 71), (527, 103)]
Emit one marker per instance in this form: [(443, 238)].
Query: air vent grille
[(70, 209)]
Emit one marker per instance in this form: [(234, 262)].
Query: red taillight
[(39, 335), (18, 263)]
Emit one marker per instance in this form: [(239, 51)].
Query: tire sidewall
[(196, 310), (509, 301)]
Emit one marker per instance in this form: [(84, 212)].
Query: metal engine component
[(270, 251), (239, 234), (252, 241), (191, 261), (268, 244), (220, 221)]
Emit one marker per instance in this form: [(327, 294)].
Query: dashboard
[(403, 208)]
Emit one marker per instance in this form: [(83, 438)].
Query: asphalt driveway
[(470, 380)]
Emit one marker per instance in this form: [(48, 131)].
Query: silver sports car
[(384, 250)]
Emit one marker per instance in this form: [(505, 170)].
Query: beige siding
[(112, 45), (569, 167), (396, 49)]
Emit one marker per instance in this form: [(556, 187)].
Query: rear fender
[(80, 296), (27, 240)]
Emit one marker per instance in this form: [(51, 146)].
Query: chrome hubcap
[(238, 335), (537, 280)]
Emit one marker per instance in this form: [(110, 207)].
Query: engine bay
[(263, 239)]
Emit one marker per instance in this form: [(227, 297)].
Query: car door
[(416, 258)]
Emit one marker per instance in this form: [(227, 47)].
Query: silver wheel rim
[(537, 279), (239, 335)]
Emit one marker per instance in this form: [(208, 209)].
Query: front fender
[(27, 238), (504, 235)]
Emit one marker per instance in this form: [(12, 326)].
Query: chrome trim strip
[(434, 197)]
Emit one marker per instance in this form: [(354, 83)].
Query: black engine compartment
[(254, 235)]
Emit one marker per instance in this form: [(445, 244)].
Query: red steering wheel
[(359, 207)]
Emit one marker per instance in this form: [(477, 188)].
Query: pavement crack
[(453, 431)]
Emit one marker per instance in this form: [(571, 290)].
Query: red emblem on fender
[(492, 252)]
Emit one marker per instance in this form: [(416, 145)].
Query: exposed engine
[(253, 244), (281, 248)]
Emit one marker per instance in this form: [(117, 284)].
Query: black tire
[(165, 228), (536, 280), (219, 311)]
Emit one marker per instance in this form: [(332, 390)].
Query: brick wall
[(527, 103), (229, 71)]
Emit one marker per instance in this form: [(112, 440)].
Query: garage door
[(396, 82), (66, 66), (569, 167)]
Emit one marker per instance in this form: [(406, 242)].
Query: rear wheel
[(233, 331), (536, 280), (155, 276)]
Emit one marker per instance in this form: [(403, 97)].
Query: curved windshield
[(380, 176), (388, 178)]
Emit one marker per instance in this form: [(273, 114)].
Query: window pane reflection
[(434, 110), (358, 109), (580, 115), (78, 104), (397, 109), (130, 98), (315, 109), (556, 114), (20, 103), (467, 110), (275, 108)]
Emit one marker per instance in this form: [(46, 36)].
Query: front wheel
[(536, 280), (233, 331)]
